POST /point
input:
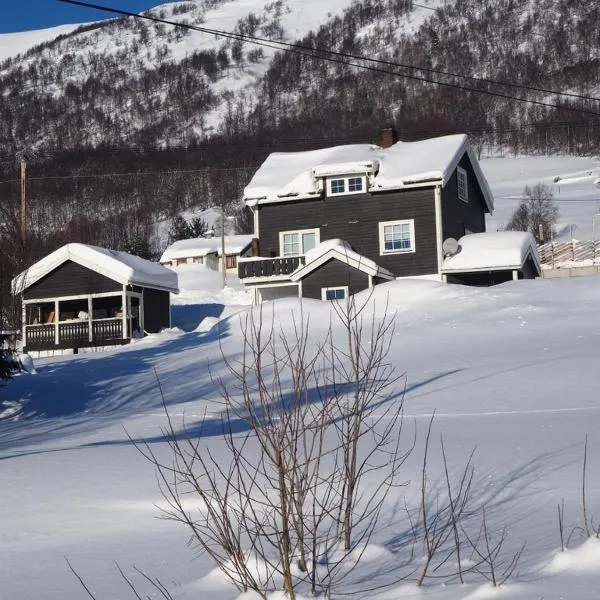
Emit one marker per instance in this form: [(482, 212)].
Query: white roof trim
[(348, 257), (121, 267)]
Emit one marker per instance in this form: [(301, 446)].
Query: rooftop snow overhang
[(370, 166)]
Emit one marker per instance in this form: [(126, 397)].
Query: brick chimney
[(387, 137)]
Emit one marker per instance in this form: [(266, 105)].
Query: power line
[(314, 53), (133, 174)]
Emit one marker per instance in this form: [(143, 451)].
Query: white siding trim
[(439, 233)]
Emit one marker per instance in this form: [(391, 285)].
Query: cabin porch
[(83, 321)]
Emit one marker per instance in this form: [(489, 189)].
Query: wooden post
[(23, 200), (90, 316), (56, 328), (124, 312), (223, 262)]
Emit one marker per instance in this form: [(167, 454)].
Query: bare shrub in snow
[(300, 513)]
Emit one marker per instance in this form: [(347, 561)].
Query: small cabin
[(83, 296), (208, 252)]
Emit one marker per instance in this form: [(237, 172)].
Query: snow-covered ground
[(571, 179), (510, 370)]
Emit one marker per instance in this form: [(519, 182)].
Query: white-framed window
[(334, 293), (295, 243), (356, 184), (463, 185), (396, 237)]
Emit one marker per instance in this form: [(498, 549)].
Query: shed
[(85, 296), (484, 259)]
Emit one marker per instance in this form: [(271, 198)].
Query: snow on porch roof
[(339, 250), (295, 175), (500, 250), (118, 266), (234, 244)]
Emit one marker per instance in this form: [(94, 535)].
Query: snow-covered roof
[(339, 250), (234, 244), (492, 251), (118, 266), (297, 175)]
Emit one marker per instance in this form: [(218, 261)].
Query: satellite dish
[(450, 247)]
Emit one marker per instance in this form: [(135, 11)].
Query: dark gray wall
[(529, 270), (482, 278), (355, 218), (458, 215), (334, 273), (157, 310), (71, 279)]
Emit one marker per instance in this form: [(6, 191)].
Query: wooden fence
[(555, 254)]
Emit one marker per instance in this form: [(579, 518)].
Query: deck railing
[(268, 267), (74, 334)]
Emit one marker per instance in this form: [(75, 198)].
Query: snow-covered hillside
[(509, 370), (13, 44)]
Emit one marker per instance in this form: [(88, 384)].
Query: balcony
[(269, 268)]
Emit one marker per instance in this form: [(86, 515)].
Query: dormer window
[(337, 186)]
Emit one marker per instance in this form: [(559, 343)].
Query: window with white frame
[(337, 186), (295, 243), (334, 293), (463, 186), (396, 237)]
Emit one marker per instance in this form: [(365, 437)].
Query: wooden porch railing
[(268, 267), (72, 334)]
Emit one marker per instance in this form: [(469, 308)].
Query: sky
[(27, 15)]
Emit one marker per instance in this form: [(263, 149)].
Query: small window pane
[(337, 186), (308, 241), (355, 184), (291, 244), (397, 237), (335, 294)]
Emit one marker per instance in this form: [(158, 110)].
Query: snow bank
[(584, 558)]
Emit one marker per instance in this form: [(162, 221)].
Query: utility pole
[(223, 258), (23, 200)]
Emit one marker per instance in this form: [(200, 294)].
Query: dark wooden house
[(83, 296), (391, 205)]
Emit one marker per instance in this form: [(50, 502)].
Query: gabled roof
[(297, 175), (234, 244), (122, 267), (339, 250), (500, 250)]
